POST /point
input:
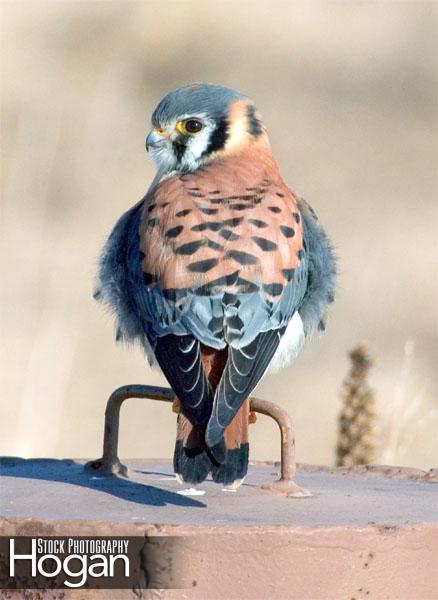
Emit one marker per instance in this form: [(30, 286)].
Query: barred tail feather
[(233, 470), (227, 459)]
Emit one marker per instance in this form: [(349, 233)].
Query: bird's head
[(199, 123)]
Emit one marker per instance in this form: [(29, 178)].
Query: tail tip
[(232, 473), (191, 465)]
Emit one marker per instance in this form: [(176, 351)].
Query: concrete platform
[(368, 532), (61, 489)]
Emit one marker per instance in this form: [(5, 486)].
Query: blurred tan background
[(348, 92)]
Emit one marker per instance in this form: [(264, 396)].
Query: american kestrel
[(219, 271)]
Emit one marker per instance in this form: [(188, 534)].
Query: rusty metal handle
[(110, 464), (284, 422)]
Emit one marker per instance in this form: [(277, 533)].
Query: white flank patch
[(290, 345)]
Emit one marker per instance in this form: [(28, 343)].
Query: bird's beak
[(154, 139)]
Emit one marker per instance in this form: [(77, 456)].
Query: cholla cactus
[(357, 417)]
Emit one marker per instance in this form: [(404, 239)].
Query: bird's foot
[(252, 417)]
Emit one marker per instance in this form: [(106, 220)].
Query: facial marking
[(191, 139), (182, 149)]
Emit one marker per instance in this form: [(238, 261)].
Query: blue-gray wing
[(321, 281)]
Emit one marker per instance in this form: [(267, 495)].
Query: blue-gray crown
[(208, 98)]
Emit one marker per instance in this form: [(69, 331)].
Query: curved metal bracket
[(110, 464)]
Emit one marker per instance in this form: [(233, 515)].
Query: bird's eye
[(190, 126)]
